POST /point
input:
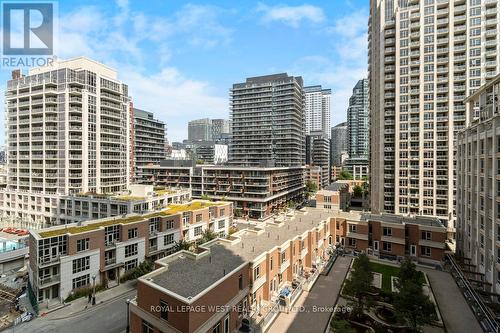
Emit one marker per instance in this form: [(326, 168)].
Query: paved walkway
[(81, 304), (456, 313), (313, 309)]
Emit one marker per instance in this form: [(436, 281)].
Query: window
[(81, 281), (168, 239), (426, 235), (240, 282), (271, 264), (163, 310), (221, 212), (131, 250), (147, 327), (169, 225), (199, 218), (352, 228), (387, 231), (81, 264), (131, 264), (132, 233), (216, 328), (198, 231), (386, 246), (425, 251), (82, 244), (256, 272), (222, 224), (226, 324), (351, 241), (283, 257)]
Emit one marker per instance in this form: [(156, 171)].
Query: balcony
[(48, 280)]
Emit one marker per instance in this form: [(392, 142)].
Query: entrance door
[(413, 250)]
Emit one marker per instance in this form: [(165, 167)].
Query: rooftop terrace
[(390, 218), (75, 228)]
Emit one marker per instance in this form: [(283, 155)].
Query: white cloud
[(139, 47), (291, 15)]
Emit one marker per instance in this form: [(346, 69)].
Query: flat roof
[(399, 219), (225, 256), (76, 228), (336, 186)]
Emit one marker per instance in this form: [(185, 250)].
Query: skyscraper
[(424, 58), (268, 121), (317, 109), (317, 154), (220, 128), (149, 139), (357, 121), (67, 132), (200, 130), (338, 144)]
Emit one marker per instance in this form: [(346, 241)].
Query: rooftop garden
[(170, 210)]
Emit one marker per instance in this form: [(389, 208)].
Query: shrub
[(144, 268), (84, 292)]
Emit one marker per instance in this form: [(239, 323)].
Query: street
[(109, 317)]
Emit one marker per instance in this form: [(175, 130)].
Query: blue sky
[(180, 58)]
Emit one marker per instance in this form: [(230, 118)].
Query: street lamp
[(128, 321), (93, 290)]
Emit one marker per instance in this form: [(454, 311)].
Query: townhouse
[(235, 281), (65, 258), (394, 237), (335, 196)]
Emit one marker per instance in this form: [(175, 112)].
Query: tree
[(359, 284), (410, 303), (357, 191), (182, 245), (341, 326), (207, 236), (311, 187), (345, 175)]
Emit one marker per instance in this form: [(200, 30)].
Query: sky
[(180, 58)]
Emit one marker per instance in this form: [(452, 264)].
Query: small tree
[(410, 303), (357, 191), (237, 213), (207, 236), (311, 187), (345, 175), (182, 245), (359, 284)]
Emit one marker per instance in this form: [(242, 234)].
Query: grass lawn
[(387, 272)]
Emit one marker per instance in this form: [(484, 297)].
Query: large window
[(81, 281), (131, 250), (147, 327), (387, 231), (163, 310), (132, 233), (168, 239), (81, 264), (426, 235), (169, 225), (198, 231), (131, 264), (425, 251), (386, 246), (82, 244)]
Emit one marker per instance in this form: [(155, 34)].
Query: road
[(109, 317)]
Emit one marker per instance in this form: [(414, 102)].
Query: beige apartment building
[(478, 186), (66, 258), (425, 57), (67, 133)]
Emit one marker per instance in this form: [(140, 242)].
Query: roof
[(76, 228), (224, 256), (400, 219), (336, 186)]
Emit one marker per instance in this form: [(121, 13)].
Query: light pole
[(93, 290), (128, 321)]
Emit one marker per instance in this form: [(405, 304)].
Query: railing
[(48, 279), (484, 314)]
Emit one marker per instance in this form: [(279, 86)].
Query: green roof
[(171, 210)]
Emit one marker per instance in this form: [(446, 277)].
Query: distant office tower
[(200, 130), (207, 152), (149, 139), (357, 121), (478, 185), (338, 144), (425, 57), (317, 109), (318, 155), (268, 121), (67, 132), (220, 127)]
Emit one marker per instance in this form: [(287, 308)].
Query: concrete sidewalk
[(456, 313), (312, 310), (81, 304)]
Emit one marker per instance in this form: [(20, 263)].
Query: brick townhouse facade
[(65, 258)]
